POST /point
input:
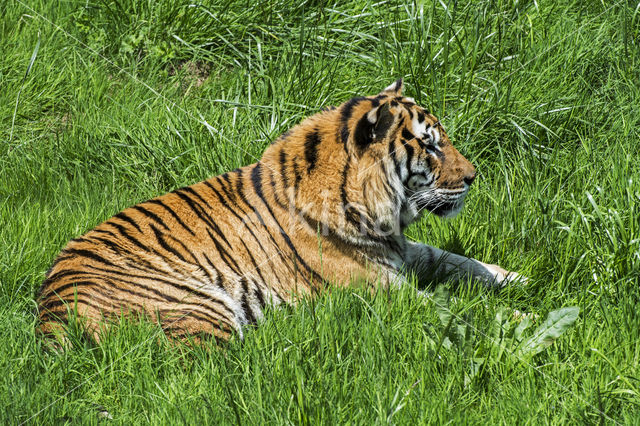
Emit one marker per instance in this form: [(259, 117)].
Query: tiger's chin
[(445, 209)]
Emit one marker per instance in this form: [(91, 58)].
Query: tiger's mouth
[(442, 207), (446, 209)]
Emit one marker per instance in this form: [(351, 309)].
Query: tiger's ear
[(394, 89), (373, 126)]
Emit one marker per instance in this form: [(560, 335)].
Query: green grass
[(126, 100)]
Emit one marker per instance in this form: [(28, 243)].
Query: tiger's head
[(390, 136), (368, 168)]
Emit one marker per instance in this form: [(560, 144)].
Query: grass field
[(110, 102)]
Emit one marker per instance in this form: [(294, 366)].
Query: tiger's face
[(398, 138)]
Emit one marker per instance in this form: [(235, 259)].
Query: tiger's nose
[(468, 179)]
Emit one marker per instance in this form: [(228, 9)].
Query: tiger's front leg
[(428, 262)]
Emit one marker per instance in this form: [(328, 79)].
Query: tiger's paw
[(501, 277)]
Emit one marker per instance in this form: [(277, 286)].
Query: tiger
[(325, 206)]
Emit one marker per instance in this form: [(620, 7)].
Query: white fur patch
[(396, 86), (419, 129), (372, 116), (235, 306), (423, 130)]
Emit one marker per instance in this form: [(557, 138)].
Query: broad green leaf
[(441, 301), (554, 326)]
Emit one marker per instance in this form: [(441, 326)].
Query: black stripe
[(57, 260), (203, 298), (61, 274), (387, 186), (173, 213), (297, 175), (195, 207), (283, 168), (253, 262), (125, 287), (201, 266), (79, 240), (65, 273), (394, 158), (185, 248), (231, 196), (239, 187), (110, 244), (257, 267), (311, 142), (363, 133), (192, 191), (276, 195), (258, 292), (245, 302), (123, 216), (105, 231), (151, 215), (71, 284), (164, 243), (90, 255), (431, 149), (171, 329), (345, 115), (243, 198), (51, 291), (224, 255), (202, 215), (227, 184), (407, 134), (410, 152), (220, 197), (124, 233), (331, 232), (61, 257), (218, 280), (235, 193), (242, 221), (257, 186), (191, 312), (343, 184)]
